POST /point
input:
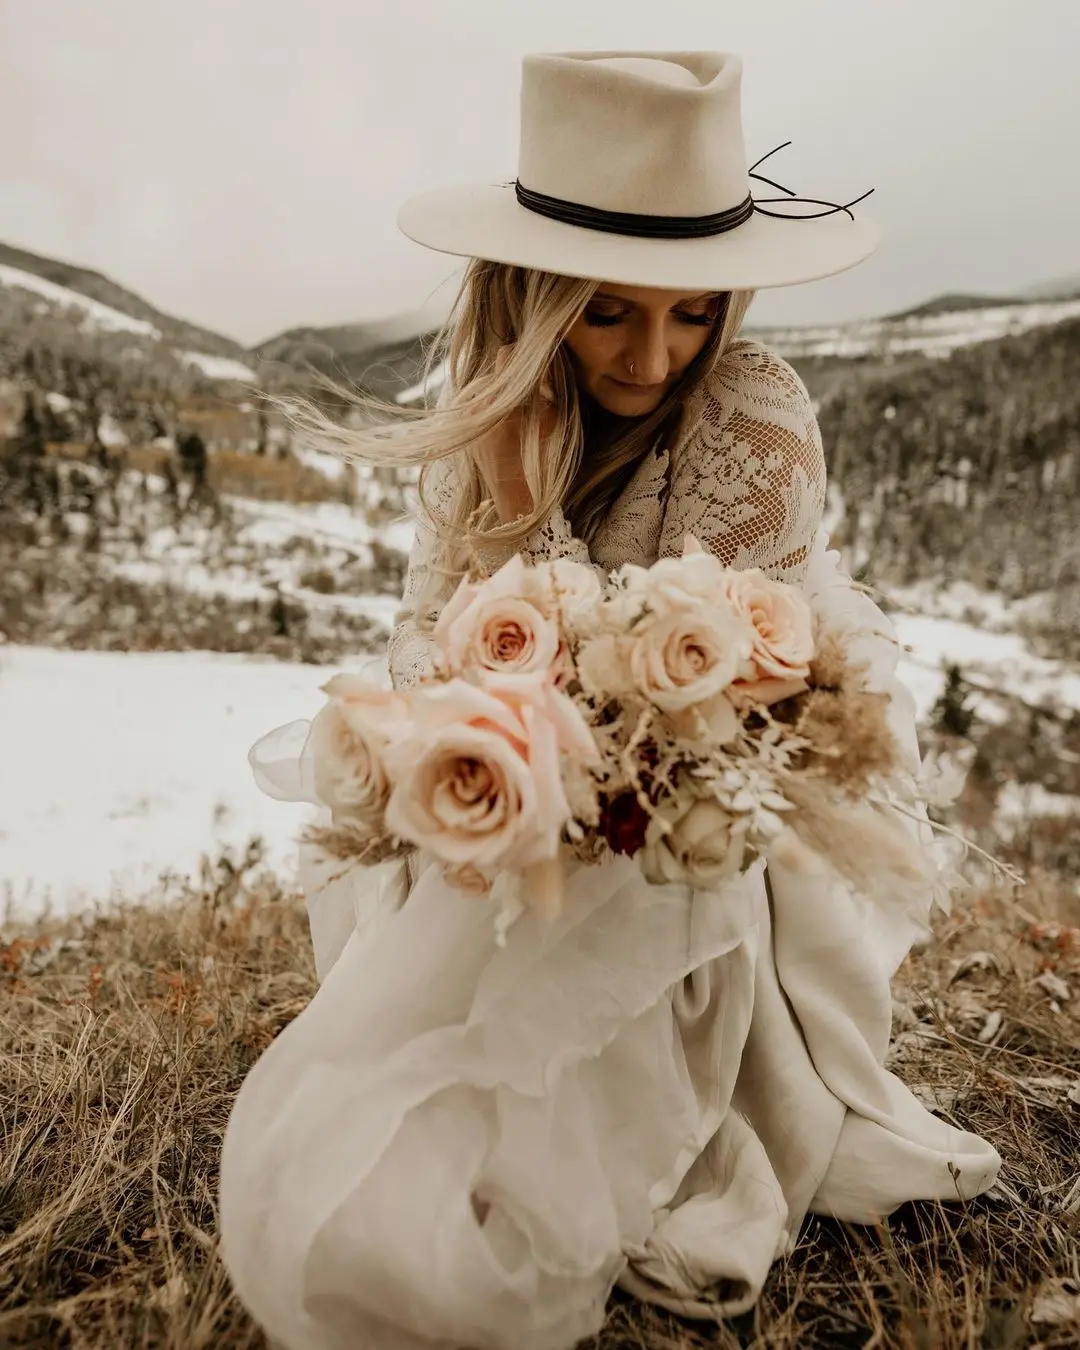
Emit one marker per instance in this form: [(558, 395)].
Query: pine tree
[(950, 713)]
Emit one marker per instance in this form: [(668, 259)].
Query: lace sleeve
[(554, 539), (749, 479), (410, 649)]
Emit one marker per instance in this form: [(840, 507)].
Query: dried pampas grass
[(354, 843), (871, 846)]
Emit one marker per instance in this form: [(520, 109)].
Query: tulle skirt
[(462, 1144)]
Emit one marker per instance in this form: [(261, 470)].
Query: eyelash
[(609, 320)]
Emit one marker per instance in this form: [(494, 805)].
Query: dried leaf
[(974, 961), (991, 1027), (1057, 1302), (1054, 985)]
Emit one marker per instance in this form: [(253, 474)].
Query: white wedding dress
[(462, 1145)]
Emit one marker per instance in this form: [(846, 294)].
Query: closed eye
[(609, 320)]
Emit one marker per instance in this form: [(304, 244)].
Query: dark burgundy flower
[(623, 822)]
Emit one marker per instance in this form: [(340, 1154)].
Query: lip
[(637, 388)]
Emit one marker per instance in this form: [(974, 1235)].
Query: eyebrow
[(622, 300)]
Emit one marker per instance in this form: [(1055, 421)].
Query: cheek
[(692, 342), (592, 349)]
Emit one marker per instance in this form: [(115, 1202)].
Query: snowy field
[(121, 767)]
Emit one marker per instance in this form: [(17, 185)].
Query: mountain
[(349, 354), (952, 304), (68, 284), (1060, 288), (934, 329), (385, 356)]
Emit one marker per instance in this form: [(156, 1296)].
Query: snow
[(930, 334), (97, 314), (330, 466), (122, 766), (998, 659), (219, 367), (110, 432)]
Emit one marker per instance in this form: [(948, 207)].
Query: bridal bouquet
[(689, 715)]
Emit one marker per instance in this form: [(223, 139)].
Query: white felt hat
[(632, 169)]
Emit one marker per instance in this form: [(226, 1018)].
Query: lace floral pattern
[(747, 479)]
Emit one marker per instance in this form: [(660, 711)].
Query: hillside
[(952, 304), (94, 286), (952, 433), (965, 466)]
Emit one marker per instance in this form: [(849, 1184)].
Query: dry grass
[(238, 473), (126, 1033)]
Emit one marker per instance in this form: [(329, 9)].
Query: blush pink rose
[(492, 625), (685, 658), (783, 639), (478, 782), (347, 742)]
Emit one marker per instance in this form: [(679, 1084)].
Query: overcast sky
[(240, 162)]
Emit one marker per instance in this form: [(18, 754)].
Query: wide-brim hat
[(632, 169)]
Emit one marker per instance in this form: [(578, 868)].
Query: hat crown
[(656, 133), (652, 67)]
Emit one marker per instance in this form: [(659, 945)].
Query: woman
[(461, 1144)]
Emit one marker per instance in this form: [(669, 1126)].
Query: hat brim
[(485, 220)]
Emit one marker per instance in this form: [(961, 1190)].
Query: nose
[(648, 350)]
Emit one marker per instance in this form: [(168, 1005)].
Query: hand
[(498, 458)]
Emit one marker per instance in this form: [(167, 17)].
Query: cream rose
[(783, 639), (682, 658), (347, 742), (685, 583), (703, 847), (478, 782), (566, 591)]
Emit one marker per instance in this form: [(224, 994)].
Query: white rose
[(566, 591), (479, 780), (502, 634), (703, 848), (685, 583)]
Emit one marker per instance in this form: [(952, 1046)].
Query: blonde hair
[(498, 304)]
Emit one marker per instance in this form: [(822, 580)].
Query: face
[(658, 331)]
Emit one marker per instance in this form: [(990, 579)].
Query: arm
[(410, 650), (749, 479)]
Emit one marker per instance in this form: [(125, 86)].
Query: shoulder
[(754, 380), (752, 403)]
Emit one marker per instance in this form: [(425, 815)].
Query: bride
[(462, 1144)]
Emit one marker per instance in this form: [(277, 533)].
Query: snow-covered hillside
[(928, 334), (99, 317)]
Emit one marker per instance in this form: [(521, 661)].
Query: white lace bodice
[(747, 479)]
